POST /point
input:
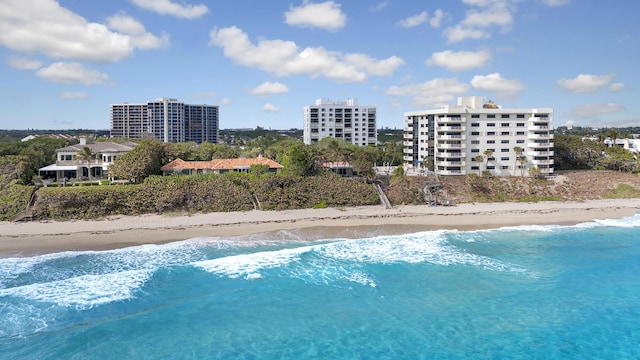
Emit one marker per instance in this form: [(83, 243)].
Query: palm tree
[(522, 160), (487, 155), (86, 155), (478, 159), (518, 150)]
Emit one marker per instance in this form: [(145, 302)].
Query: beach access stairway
[(431, 189), (383, 197), (26, 214)]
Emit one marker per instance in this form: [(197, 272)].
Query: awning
[(54, 167)]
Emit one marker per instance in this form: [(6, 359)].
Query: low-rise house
[(217, 166), (70, 166), (341, 168)]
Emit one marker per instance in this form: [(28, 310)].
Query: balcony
[(539, 136), (450, 137), (540, 153), (449, 127), (539, 127), (541, 162), (408, 150), (407, 158), (407, 136), (451, 155), (451, 163), (450, 172), (450, 146)]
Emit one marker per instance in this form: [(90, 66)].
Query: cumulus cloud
[(433, 93), (414, 20), (225, 101), (22, 63), (584, 83), (459, 60), (43, 26), (284, 58), (595, 110), (615, 87), (379, 6), (436, 19), (270, 88), (495, 83), (268, 107), (326, 15), (74, 95), (166, 7), (72, 73), (478, 21), (139, 36)]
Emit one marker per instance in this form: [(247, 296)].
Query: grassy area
[(624, 191)]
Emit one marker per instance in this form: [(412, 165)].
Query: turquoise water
[(531, 292)]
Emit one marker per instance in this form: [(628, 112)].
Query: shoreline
[(41, 237)]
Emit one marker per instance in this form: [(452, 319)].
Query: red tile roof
[(220, 164)]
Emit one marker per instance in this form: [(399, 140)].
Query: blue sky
[(63, 62)]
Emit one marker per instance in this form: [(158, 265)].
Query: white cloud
[(43, 26), (379, 6), (458, 33), (270, 88), (595, 110), (72, 73), (268, 107), (139, 36), (226, 101), (615, 87), (460, 60), (479, 20), (166, 7), (414, 20), (554, 3), (585, 82), (436, 19), (22, 63), (74, 95), (495, 83), (326, 15), (433, 93), (284, 58)]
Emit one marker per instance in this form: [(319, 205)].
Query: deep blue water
[(534, 292)]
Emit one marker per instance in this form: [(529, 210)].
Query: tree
[(479, 159), (519, 151), (523, 161), (488, 154), (144, 160), (86, 155)]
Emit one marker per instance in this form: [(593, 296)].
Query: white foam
[(249, 265), (83, 291)]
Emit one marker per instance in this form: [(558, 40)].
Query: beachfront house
[(217, 166), (71, 166)]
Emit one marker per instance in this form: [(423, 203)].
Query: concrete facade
[(341, 120), (473, 136)]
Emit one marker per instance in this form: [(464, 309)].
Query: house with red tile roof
[(217, 166)]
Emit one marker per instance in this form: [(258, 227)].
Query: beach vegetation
[(14, 198), (624, 191)]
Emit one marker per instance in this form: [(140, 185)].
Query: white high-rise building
[(341, 120), (473, 136), (167, 120)]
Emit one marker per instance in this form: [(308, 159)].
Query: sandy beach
[(37, 237)]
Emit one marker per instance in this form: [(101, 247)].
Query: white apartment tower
[(341, 120), (474, 136), (167, 120)]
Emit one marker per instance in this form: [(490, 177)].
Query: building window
[(504, 159), (504, 133), (520, 133), (505, 167), (476, 133), (491, 133), (504, 141), (475, 116), (504, 124), (519, 141), (491, 141), (505, 116), (491, 124), (491, 116), (520, 125), (504, 150), (520, 116), (475, 124), (490, 167), (475, 150), (475, 142)]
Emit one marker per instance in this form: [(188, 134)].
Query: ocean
[(526, 292)]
